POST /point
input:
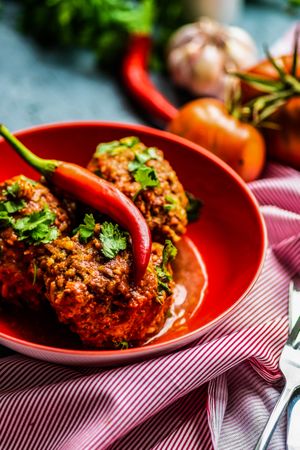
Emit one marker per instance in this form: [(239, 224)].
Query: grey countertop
[(39, 86)]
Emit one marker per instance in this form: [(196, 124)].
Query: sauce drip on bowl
[(191, 280)]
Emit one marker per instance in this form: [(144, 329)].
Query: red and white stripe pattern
[(216, 393)]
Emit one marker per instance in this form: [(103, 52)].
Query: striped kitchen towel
[(216, 393)]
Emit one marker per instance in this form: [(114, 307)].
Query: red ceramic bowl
[(229, 235)]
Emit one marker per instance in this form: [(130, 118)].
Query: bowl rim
[(192, 335)]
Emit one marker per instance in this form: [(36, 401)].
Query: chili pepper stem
[(45, 166)]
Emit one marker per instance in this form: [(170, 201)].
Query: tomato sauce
[(191, 282)]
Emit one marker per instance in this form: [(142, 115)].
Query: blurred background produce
[(201, 54), (74, 71)]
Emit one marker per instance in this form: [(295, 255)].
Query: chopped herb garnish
[(37, 227), (130, 141), (86, 229), (145, 175), (114, 147), (5, 219), (7, 208), (120, 345), (12, 206), (169, 253), (169, 314), (171, 202), (13, 190), (141, 158), (106, 147), (193, 207), (146, 155), (133, 166), (113, 239), (163, 275), (123, 345)]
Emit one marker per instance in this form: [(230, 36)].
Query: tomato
[(283, 144), (207, 122), (266, 70)]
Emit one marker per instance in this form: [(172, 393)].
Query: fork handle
[(279, 408)]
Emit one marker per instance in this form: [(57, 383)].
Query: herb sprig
[(11, 205), (193, 207), (113, 239), (163, 274), (37, 227), (146, 176), (86, 229), (172, 203), (12, 190), (113, 148), (102, 26)]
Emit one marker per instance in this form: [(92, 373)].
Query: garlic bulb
[(201, 54)]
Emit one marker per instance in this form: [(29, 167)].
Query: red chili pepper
[(137, 80), (95, 192)]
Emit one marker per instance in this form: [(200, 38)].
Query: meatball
[(147, 178), (29, 215), (97, 297)]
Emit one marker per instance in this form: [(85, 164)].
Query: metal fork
[(289, 364)]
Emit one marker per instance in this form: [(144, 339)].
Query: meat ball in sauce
[(26, 204), (148, 179), (96, 296)]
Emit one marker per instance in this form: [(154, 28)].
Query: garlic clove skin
[(200, 55), (241, 48)]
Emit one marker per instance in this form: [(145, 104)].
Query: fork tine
[(294, 333), (296, 282), (294, 301)]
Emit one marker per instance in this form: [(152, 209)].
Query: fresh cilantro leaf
[(106, 147), (113, 239), (43, 234), (141, 158), (13, 190), (163, 278), (37, 227), (171, 202), (115, 147), (133, 165), (147, 177), (120, 345), (169, 253), (7, 208), (123, 345), (86, 229), (146, 155), (193, 207), (163, 275), (11, 206), (5, 219), (130, 141)]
